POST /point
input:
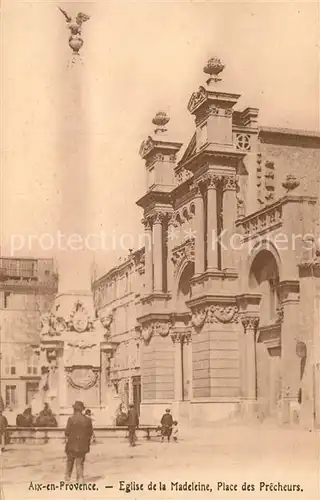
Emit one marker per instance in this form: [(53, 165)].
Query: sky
[(138, 58)]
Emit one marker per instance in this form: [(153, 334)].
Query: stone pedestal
[(76, 356)]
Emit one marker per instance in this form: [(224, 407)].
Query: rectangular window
[(11, 395), (32, 364), (9, 366), (31, 391)]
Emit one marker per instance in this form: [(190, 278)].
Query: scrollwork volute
[(197, 98)]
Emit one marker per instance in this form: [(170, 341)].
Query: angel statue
[(75, 25)]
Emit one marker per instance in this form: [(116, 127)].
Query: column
[(229, 217), (199, 227), (177, 367), (148, 256), (212, 226), (250, 324), (105, 363), (158, 252), (130, 384), (62, 382), (188, 346), (170, 244)]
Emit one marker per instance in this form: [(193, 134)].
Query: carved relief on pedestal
[(54, 324), (82, 377)]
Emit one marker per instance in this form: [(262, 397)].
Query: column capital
[(229, 183), (250, 323), (212, 181), (159, 217), (147, 223)]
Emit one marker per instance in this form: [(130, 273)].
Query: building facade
[(224, 303), (27, 288)]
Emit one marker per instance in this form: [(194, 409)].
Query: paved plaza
[(226, 454)]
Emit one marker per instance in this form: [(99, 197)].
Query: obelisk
[(74, 260)]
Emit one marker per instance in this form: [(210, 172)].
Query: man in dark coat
[(132, 423), (166, 423), (25, 419), (3, 430), (78, 434), (46, 418)]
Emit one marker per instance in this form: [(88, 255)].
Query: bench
[(43, 435)]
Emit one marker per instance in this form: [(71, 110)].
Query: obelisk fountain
[(75, 347)]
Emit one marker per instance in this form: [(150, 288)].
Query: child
[(175, 431), (88, 414)]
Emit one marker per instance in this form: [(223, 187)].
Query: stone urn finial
[(213, 67), (160, 121), (290, 183)]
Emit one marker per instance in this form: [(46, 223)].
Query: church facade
[(218, 315)]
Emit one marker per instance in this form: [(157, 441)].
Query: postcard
[(160, 250)]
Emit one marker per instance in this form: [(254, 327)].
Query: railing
[(265, 220), (43, 435), (18, 268)]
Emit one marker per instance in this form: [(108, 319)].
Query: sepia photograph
[(159, 250)]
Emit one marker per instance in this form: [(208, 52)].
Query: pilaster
[(229, 217), (290, 362), (148, 256)]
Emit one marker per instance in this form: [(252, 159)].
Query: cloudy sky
[(138, 57)]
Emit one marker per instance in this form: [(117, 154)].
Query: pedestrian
[(166, 423), (3, 431), (26, 419), (78, 435), (175, 431), (46, 418), (132, 423), (88, 414)]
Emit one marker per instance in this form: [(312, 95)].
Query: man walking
[(78, 435), (166, 423), (132, 423)]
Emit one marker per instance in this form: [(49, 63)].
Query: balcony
[(265, 220), (18, 269)]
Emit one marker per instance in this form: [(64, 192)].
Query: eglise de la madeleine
[(218, 315)]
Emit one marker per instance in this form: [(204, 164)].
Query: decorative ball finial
[(213, 67), (160, 121)]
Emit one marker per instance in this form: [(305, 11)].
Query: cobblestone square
[(230, 455)]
